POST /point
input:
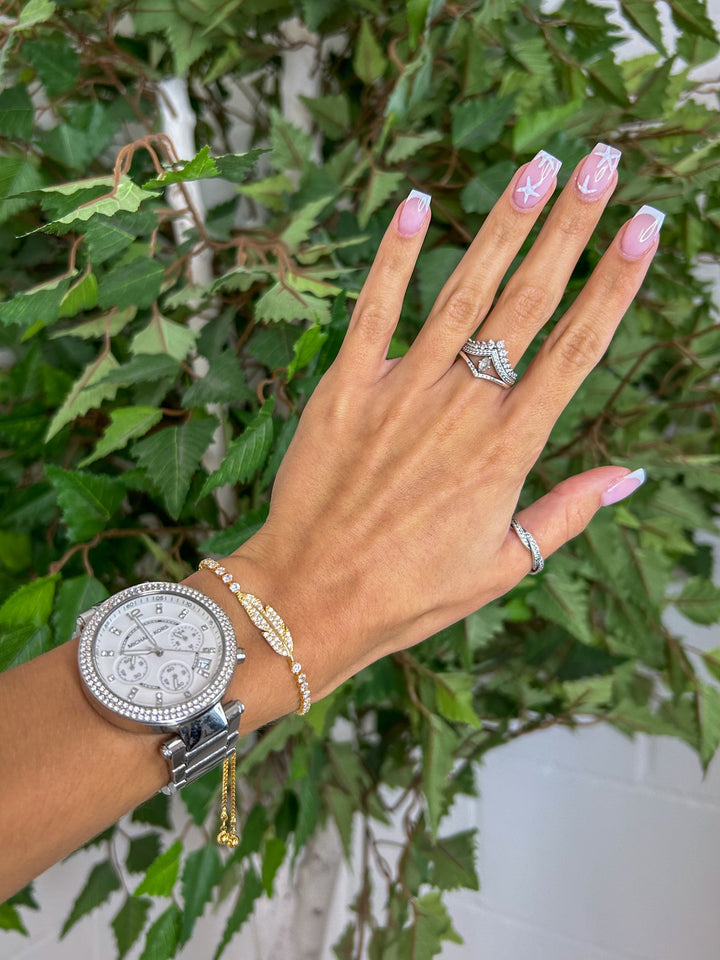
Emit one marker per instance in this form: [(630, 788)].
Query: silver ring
[(531, 543), (491, 354)]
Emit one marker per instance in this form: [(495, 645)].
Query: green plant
[(107, 308)]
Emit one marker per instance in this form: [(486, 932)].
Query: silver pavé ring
[(530, 542), (491, 354)]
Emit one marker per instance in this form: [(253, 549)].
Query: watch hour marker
[(183, 613), (158, 698), (204, 626), (115, 630), (111, 678), (202, 673), (107, 653), (158, 608), (208, 649), (131, 695)]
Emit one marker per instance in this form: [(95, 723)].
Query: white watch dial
[(157, 654), (158, 650)]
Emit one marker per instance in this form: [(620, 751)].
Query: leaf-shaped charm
[(270, 625)]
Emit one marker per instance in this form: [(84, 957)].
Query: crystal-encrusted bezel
[(159, 718)]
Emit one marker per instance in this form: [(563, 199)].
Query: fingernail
[(412, 216), (536, 180), (640, 232), (623, 487), (597, 172)]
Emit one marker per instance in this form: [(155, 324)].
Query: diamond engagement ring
[(531, 543), (491, 355)]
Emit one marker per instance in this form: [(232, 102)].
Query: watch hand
[(143, 629)]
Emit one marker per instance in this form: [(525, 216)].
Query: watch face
[(158, 653)]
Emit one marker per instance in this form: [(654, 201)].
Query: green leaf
[(589, 693), (24, 618), (87, 500), (438, 742), (478, 123), (101, 883), (381, 187), (81, 296), (417, 11), (10, 919), (453, 860), (142, 852), (565, 602), (16, 113), (76, 144), (199, 796), (88, 391), (128, 923), (56, 62), (709, 720), (369, 61), (35, 11), (109, 324), (279, 303), (126, 197), (423, 940), (711, 659), (155, 811), (273, 857), (454, 695), (106, 238), (134, 284), (699, 601), (407, 145), (270, 191), (163, 937), (251, 890), (171, 456), (201, 875), (692, 16), (305, 348), (162, 873), (225, 541), (126, 423), (38, 305), (303, 222), (223, 383), (482, 193), (233, 167), (165, 337), (141, 369), (331, 113), (75, 596), (246, 454), (643, 16), (534, 128), (291, 149)]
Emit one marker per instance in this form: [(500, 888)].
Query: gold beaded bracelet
[(270, 624), (272, 627)]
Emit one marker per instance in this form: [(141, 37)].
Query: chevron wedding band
[(491, 356), (530, 542)]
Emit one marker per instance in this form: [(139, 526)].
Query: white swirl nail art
[(653, 228)]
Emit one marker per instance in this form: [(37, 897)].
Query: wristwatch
[(159, 657)]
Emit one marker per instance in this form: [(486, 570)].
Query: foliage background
[(108, 414)]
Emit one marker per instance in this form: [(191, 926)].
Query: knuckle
[(529, 303), (464, 307), (372, 321), (579, 346), (570, 224)]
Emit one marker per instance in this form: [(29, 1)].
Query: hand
[(390, 516)]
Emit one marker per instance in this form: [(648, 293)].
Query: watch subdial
[(175, 676), (131, 669), (185, 636)]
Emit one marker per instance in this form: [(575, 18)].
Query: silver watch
[(159, 657)]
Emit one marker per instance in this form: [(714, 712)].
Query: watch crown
[(240, 655)]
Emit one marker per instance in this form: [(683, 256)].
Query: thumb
[(566, 510)]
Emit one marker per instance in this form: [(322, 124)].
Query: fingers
[(378, 307), (564, 512), (534, 291), (468, 295), (581, 337)]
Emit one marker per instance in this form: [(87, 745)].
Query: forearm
[(67, 773)]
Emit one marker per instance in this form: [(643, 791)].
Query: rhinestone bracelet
[(270, 624)]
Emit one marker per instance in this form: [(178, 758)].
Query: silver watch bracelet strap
[(202, 744)]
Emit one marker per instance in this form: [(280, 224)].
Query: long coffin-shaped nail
[(597, 171), (536, 180), (412, 216), (623, 487), (640, 232)]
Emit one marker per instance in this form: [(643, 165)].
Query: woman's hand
[(390, 516)]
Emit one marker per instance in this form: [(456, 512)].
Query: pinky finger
[(565, 511)]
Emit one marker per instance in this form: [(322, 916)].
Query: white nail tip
[(549, 160), (422, 198), (638, 475), (656, 214)]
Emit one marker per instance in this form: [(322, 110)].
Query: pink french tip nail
[(596, 173), (641, 231), (623, 487), (412, 216), (536, 181)]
